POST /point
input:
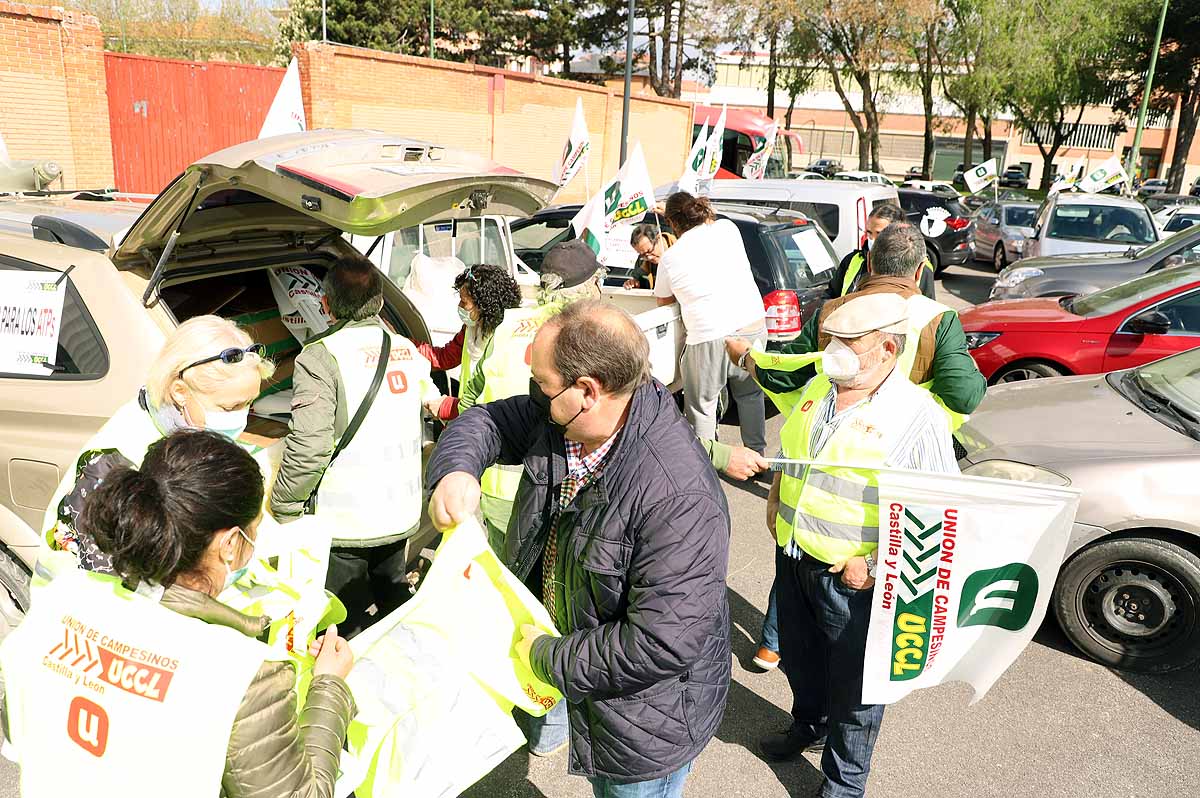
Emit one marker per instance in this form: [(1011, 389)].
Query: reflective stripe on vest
[(95, 674), (856, 264), (832, 512), (507, 372), (464, 368), (371, 495)]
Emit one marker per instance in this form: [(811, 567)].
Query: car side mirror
[(1149, 322)]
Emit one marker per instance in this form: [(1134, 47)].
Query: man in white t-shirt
[(707, 272)]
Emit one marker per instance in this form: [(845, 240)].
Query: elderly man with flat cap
[(860, 410)]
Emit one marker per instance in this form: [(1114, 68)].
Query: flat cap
[(866, 314), (573, 261)]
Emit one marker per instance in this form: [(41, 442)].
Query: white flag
[(966, 569), (690, 180), (756, 164), (3, 151), (1069, 178), (1106, 174), (980, 177), (625, 199), (575, 154), (286, 114), (714, 152)]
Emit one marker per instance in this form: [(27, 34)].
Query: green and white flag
[(1106, 174), (1068, 179), (756, 164), (980, 177), (624, 199), (966, 566), (690, 179), (714, 151), (575, 153)]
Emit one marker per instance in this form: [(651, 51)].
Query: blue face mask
[(465, 316)]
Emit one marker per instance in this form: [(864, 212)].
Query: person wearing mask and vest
[(352, 456), (853, 270), (650, 243), (484, 293), (206, 376), (124, 659), (860, 410)]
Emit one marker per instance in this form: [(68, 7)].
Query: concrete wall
[(53, 103), (517, 119)]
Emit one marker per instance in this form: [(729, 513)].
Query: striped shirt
[(925, 445)]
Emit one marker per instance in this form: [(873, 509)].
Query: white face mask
[(233, 575), (230, 423), (841, 364)]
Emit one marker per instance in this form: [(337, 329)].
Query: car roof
[(731, 210), (51, 255), (1083, 198), (1016, 204)]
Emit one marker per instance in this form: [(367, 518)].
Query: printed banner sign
[(695, 166), (980, 177), (756, 164), (625, 199), (966, 568), (31, 308), (1109, 173)]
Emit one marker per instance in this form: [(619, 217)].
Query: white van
[(839, 206)]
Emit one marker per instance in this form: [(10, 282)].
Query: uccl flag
[(756, 164), (286, 114), (575, 153), (1106, 174), (980, 177), (714, 152), (624, 199), (966, 568), (690, 180)]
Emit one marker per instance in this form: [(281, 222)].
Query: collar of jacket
[(887, 284), (203, 607), (644, 407)]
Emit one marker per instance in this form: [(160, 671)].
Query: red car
[(1130, 324)]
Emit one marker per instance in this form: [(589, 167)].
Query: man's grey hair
[(898, 251), (898, 339), (600, 340)]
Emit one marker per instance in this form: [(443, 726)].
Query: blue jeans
[(824, 643), (669, 786), (770, 627), (549, 732)]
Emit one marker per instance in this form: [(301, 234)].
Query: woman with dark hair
[(484, 293), (708, 274), (151, 654)]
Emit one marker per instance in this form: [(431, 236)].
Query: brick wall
[(517, 119), (53, 104)]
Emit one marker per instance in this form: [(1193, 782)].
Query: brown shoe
[(766, 659)]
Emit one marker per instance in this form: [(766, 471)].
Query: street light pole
[(324, 32), (431, 48), (1134, 151), (628, 81)]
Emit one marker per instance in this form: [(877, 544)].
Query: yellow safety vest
[(96, 673), (832, 512), (856, 264), (507, 372)]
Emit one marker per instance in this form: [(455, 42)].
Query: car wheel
[(932, 254), (999, 259), (1132, 604), (1029, 371)]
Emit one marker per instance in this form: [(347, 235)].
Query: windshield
[(1020, 217), (470, 241), (1168, 389), (801, 256), (1181, 221), (1111, 300), (1109, 223), (1161, 246)]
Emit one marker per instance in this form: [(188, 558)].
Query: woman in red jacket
[(484, 293)]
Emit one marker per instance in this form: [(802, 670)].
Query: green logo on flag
[(698, 161), (1002, 597), (914, 604), (612, 198)]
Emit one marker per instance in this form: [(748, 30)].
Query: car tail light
[(957, 222), (783, 314)]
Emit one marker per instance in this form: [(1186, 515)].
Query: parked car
[(839, 206), (1014, 177), (864, 177), (936, 186), (915, 173), (1181, 219), (1126, 325), (826, 166), (1064, 275), (1071, 223), (999, 226), (1155, 185), (944, 222), (81, 219), (807, 176), (1127, 593), (1195, 189), (958, 181), (1158, 203), (790, 256)]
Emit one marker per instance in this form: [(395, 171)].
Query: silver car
[(1001, 229), (1128, 594), (1073, 223)]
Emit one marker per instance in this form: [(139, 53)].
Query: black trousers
[(366, 577)]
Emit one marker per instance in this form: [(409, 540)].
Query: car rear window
[(1109, 223), (1020, 217), (1181, 221), (801, 257)]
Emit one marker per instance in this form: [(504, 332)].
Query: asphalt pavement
[(1054, 725)]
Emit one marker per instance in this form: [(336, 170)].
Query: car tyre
[(999, 259), (1028, 371), (932, 254), (1131, 603)]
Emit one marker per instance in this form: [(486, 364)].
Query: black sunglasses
[(229, 356)]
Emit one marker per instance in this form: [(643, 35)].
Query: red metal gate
[(165, 114)]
